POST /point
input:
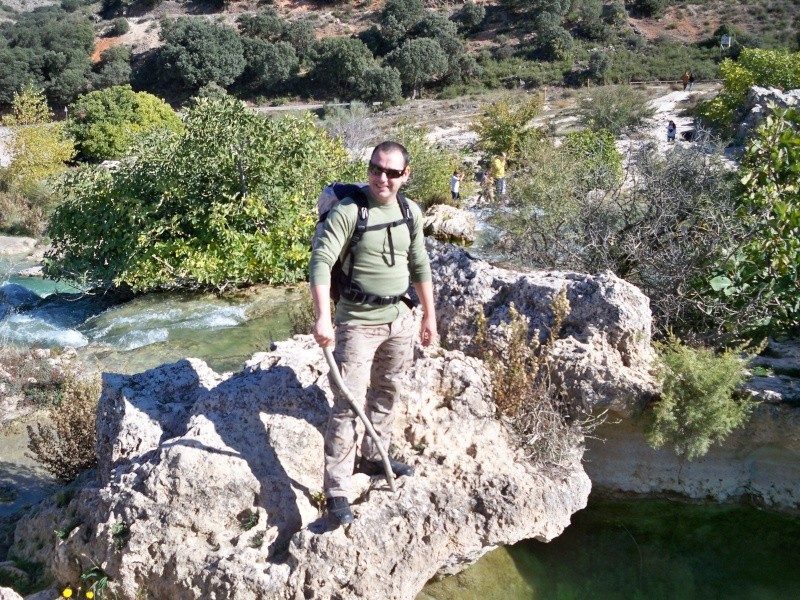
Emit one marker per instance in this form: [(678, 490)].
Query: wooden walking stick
[(337, 379)]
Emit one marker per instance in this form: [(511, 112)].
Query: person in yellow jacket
[(499, 173)]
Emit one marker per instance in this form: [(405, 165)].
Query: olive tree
[(419, 61)]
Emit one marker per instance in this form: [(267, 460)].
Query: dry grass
[(524, 394)]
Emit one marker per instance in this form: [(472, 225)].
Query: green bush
[(470, 16), (757, 282), (228, 201), (107, 122), (431, 168), (699, 405), (649, 8), (119, 26), (505, 126), (197, 52), (419, 61), (615, 108), (765, 68)]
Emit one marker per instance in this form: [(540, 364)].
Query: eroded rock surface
[(208, 486), (450, 224)]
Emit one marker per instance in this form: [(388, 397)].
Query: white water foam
[(23, 329)]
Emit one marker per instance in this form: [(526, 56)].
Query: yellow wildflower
[(67, 593)]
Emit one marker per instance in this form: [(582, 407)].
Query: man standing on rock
[(374, 326)]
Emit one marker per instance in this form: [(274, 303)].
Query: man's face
[(382, 183)]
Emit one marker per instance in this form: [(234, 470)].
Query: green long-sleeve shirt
[(373, 268)]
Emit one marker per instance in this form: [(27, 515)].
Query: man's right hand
[(323, 332)]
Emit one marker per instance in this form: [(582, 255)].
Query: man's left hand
[(428, 330)]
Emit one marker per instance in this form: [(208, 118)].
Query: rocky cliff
[(208, 485)]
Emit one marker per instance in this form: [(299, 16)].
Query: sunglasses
[(374, 169)]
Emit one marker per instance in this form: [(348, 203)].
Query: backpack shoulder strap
[(407, 214)]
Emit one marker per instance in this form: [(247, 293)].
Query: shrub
[(268, 65), (615, 108), (197, 52), (192, 212), (119, 26), (431, 168), (470, 16), (505, 126), (663, 232), (30, 375), (521, 386), (107, 122), (757, 281), (67, 447), (765, 68), (649, 8), (699, 405)]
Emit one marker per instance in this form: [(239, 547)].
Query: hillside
[(374, 51)]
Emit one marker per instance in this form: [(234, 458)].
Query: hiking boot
[(375, 467), (339, 509)]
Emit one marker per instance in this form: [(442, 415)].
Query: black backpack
[(342, 284)]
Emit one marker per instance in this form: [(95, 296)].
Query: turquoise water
[(643, 550)]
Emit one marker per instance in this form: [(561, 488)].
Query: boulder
[(450, 224), (757, 106), (602, 356), (9, 594)]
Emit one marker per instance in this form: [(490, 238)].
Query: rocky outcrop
[(450, 224), (757, 106), (602, 355), (9, 594), (209, 486)]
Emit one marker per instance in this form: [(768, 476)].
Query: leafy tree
[(106, 123), (615, 14), (437, 27), (229, 200), (28, 107), (38, 148), (765, 68), (470, 16), (649, 8), (114, 68), (405, 12), (197, 52), (504, 127), (47, 47), (265, 25), (300, 34), (340, 66), (615, 108), (119, 26), (380, 84), (699, 405), (758, 282), (268, 65), (419, 61)]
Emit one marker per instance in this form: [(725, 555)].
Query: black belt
[(362, 298)]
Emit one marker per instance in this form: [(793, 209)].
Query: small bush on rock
[(67, 447), (699, 405), (521, 385)]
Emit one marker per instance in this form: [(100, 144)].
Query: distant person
[(691, 81), (499, 173), (672, 129), (455, 185), (685, 79)]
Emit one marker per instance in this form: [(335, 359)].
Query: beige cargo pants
[(374, 356)]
